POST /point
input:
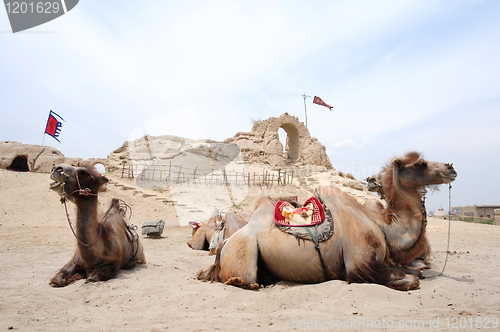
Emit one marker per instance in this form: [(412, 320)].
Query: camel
[(202, 235), (103, 242), (365, 247)]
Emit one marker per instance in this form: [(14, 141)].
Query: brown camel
[(203, 235), (362, 248), (103, 242)]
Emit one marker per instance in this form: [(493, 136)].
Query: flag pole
[(305, 108)]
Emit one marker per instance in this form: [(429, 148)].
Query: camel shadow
[(131, 272), (430, 274), (155, 237)]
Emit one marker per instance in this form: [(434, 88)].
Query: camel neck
[(402, 200), (87, 225), (404, 219)]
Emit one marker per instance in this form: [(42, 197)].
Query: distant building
[(476, 211), (441, 214)]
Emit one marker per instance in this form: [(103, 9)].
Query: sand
[(35, 242)]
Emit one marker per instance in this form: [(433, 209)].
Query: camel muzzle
[(449, 176)]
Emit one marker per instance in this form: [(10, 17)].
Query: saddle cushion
[(312, 213)]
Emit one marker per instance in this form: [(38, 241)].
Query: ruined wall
[(37, 158), (262, 144)]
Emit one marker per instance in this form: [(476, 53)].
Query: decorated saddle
[(312, 213), (311, 222)]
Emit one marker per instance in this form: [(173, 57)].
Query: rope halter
[(84, 192)]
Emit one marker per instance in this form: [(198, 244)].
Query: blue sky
[(401, 75)]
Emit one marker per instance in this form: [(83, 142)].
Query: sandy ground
[(35, 242)]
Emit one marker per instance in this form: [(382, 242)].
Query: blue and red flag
[(53, 127)]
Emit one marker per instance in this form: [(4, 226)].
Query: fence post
[(169, 169), (179, 174)]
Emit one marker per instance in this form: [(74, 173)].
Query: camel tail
[(212, 274)]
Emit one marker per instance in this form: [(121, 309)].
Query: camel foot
[(236, 281), (93, 277), (408, 282), (59, 281), (419, 264), (212, 252)]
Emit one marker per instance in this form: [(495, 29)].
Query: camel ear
[(103, 180), (398, 163)]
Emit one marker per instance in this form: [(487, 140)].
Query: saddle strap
[(328, 214), (316, 245)]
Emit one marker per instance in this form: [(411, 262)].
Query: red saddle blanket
[(312, 213)]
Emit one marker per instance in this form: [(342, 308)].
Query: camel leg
[(420, 263), (381, 273), (69, 273), (103, 273), (235, 262), (239, 257)]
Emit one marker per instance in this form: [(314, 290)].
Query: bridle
[(84, 192)]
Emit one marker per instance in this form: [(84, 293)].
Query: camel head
[(414, 172), (374, 183), (72, 181)]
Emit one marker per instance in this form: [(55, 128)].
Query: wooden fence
[(177, 174)]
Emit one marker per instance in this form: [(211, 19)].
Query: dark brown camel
[(362, 248), (202, 235), (103, 244)]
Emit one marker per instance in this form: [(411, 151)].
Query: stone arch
[(293, 141), (262, 144), (19, 164), (100, 167)]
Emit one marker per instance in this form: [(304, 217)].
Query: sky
[(401, 76)]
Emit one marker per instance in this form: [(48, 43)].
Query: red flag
[(317, 100)]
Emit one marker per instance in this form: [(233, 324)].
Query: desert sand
[(164, 294)]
